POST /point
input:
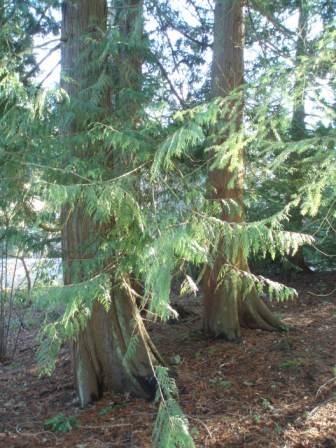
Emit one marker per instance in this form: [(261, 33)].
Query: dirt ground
[(271, 390)]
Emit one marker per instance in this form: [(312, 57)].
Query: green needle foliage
[(171, 426), (74, 303), (61, 423), (141, 176)]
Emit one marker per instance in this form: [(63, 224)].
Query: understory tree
[(20, 22), (292, 44)]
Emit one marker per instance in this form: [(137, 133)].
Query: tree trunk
[(114, 352), (298, 129), (298, 118), (225, 308)]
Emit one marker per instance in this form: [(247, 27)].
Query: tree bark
[(298, 128), (227, 310), (298, 118), (101, 357)]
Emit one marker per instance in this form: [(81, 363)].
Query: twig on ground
[(313, 411), (321, 295), (202, 423), (35, 435), (319, 390), (103, 426)]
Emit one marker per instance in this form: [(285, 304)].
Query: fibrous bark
[(102, 358), (226, 310)]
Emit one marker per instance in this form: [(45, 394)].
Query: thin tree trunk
[(114, 352), (298, 127), (225, 308), (298, 119)]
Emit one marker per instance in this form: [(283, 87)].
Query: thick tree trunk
[(114, 352), (225, 308)]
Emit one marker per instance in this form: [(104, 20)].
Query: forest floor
[(271, 390)]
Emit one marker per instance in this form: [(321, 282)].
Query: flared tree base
[(115, 353), (226, 312)]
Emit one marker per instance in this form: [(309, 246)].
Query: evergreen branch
[(171, 85), (259, 6), (38, 64), (39, 86), (171, 429)]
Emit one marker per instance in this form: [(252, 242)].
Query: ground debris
[(272, 390)]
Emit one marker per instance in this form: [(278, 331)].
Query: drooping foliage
[(155, 218)]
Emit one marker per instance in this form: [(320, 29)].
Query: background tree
[(227, 307), (287, 36), (217, 128), (20, 22)]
